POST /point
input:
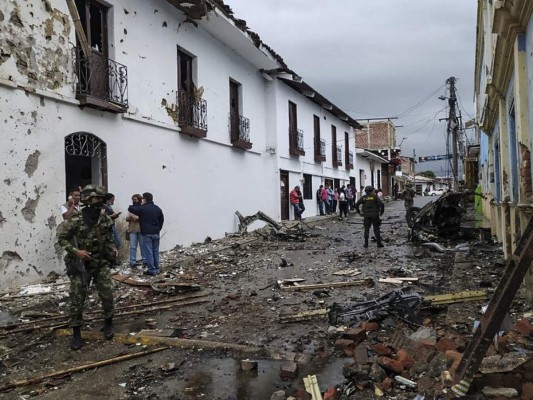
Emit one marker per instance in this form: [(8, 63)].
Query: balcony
[(349, 160), (337, 162), (296, 142), (102, 83), (192, 118), (320, 150), (239, 131)]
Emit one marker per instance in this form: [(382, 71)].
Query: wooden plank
[(456, 297), (304, 315), (79, 28), (362, 282), (311, 386)]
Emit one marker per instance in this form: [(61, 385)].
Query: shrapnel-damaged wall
[(35, 55), (29, 30)]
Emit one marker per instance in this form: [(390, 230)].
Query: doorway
[(284, 194), (85, 160)]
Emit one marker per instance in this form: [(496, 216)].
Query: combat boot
[(366, 244), (108, 329), (380, 244), (76, 342)]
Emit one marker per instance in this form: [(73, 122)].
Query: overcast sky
[(377, 58)]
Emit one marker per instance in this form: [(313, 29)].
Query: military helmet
[(92, 191), (368, 189), (409, 184)]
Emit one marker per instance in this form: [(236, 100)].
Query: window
[(93, 17), (192, 109), (334, 144), (320, 148), (239, 126), (296, 136), (308, 187)]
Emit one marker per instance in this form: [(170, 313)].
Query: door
[(234, 110), (362, 181), (93, 17), (284, 194)]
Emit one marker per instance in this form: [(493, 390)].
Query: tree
[(428, 174)]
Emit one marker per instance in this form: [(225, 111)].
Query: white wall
[(199, 183)]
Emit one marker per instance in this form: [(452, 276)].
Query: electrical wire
[(414, 107)]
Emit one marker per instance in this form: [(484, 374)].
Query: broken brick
[(386, 384), (390, 364), (370, 326), (523, 327), (360, 354), (445, 344), (527, 391), (289, 370), (405, 358), (381, 350), (332, 394), (356, 334), (344, 344)]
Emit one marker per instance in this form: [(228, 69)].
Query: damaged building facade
[(504, 98), (175, 98)]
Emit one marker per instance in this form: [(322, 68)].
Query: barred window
[(308, 187)]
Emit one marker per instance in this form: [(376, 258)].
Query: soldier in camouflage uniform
[(373, 207), (89, 236), (408, 195)]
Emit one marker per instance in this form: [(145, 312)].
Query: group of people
[(90, 239), (328, 199)]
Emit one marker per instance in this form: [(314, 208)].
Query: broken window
[(93, 17), (191, 106)]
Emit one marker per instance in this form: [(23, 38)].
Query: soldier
[(408, 195), (87, 239), (373, 207)]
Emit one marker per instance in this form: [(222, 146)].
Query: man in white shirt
[(72, 206)]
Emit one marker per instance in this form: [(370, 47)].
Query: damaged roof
[(198, 9)]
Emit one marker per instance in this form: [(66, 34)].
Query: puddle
[(223, 379)]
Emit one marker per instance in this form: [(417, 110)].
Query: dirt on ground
[(185, 334)]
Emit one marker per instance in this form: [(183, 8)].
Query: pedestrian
[(354, 199), (73, 205), (302, 205), (319, 200), (151, 221), (134, 233), (373, 208), (335, 200), (380, 194), (329, 204), (325, 199), (87, 239), (395, 193), (109, 201), (294, 198), (349, 197), (408, 195), (343, 204)]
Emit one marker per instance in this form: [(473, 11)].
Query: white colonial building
[(175, 98)]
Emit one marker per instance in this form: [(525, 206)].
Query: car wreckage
[(441, 217)]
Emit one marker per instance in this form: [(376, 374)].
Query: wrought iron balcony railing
[(349, 161), (102, 83), (296, 142), (192, 118), (239, 130), (338, 159), (320, 150)]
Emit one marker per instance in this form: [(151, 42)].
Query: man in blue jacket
[(151, 221)]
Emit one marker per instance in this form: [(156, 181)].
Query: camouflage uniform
[(98, 240), (373, 207), (408, 195)]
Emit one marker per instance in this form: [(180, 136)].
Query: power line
[(421, 102)]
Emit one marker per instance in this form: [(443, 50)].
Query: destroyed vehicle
[(441, 217)]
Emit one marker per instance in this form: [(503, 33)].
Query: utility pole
[(453, 128)]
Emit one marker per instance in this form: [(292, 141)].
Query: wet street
[(240, 316)]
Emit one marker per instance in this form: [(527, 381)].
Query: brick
[(370, 326), (356, 334), (386, 384), (360, 354), (381, 350), (343, 344), (390, 365), (527, 391), (523, 327), (405, 357), (289, 370), (332, 394), (445, 344)]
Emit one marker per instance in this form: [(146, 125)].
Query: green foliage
[(428, 174)]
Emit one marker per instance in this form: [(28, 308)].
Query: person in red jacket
[(294, 197)]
